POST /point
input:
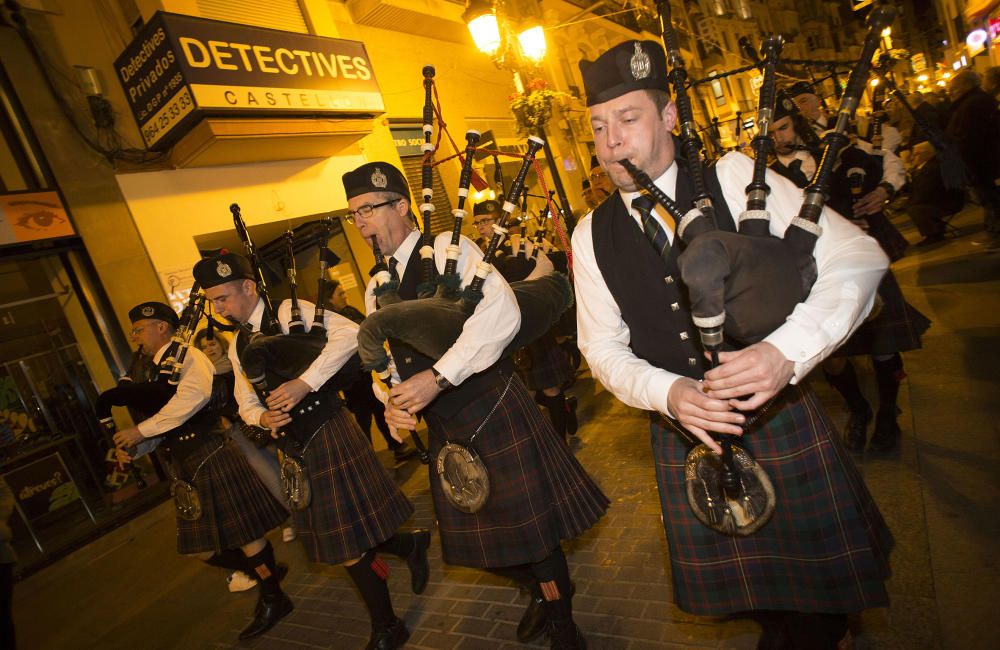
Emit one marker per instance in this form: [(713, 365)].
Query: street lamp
[(509, 32)]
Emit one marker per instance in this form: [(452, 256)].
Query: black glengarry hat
[(800, 88), (784, 106), (375, 177), (222, 268), (486, 207), (628, 66), (153, 310)]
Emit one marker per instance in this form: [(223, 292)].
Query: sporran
[(186, 500), (295, 482), (739, 510)]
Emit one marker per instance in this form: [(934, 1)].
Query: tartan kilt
[(236, 507), (539, 492), (897, 327), (547, 367), (887, 235), (826, 548), (355, 504)]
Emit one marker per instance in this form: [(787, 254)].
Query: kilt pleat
[(549, 366), (355, 503), (897, 327), (887, 235), (539, 492), (236, 507), (826, 549)]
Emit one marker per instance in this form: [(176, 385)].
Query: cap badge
[(640, 63), (148, 310), (379, 179), (223, 270)]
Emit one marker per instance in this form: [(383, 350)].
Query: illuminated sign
[(976, 41), (180, 68)]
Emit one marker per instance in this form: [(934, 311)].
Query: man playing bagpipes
[(355, 507), (543, 366), (824, 552), (223, 509), (538, 493), (893, 170), (898, 326)]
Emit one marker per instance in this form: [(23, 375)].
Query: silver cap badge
[(640, 63), (379, 179), (148, 311), (223, 269)]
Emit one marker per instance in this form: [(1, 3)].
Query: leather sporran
[(739, 509), (295, 482), (186, 500), (464, 478)]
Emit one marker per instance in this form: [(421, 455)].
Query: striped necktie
[(393, 273), (643, 204)]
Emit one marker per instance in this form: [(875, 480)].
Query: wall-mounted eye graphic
[(40, 218)]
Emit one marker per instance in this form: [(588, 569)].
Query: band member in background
[(359, 398), (599, 182), (543, 366), (236, 508), (896, 328), (893, 171), (539, 494), (263, 461), (826, 540), (355, 507)]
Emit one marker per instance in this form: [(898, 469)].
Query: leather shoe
[(887, 433), (390, 637), (270, 610), (420, 568), (535, 618)]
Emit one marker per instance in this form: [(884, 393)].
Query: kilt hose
[(355, 504), (236, 507), (539, 492), (826, 548), (547, 366), (897, 327)]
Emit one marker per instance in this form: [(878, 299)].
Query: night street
[(130, 589)]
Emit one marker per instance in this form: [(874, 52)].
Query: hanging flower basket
[(532, 109)]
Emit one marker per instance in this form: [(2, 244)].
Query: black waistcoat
[(648, 290), (410, 362), (313, 410)]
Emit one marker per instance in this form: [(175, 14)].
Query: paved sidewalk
[(131, 590)]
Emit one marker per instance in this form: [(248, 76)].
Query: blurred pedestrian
[(975, 127)]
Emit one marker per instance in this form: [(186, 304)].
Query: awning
[(977, 9)]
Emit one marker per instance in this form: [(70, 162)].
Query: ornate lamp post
[(510, 33)]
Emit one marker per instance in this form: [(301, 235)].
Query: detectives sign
[(180, 68)]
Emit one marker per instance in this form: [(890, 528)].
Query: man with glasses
[(236, 508), (539, 493), (355, 507), (600, 184)]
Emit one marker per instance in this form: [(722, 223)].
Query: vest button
[(692, 361), (674, 306), (408, 360), (684, 336), (669, 279)]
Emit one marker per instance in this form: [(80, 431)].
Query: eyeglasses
[(484, 222), (598, 174), (365, 211), (136, 331)]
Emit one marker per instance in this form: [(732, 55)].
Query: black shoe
[(566, 637), (887, 433), (270, 610), (857, 428), (420, 568), (403, 453), (390, 637), (534, 621), (571, 423)]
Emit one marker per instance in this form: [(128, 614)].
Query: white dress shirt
[(893, 170), (341, 343), (193, 392), (849, 263), (490, 327), (808, 162)]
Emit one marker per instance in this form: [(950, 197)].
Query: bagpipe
[(743, 285), (433, 322)]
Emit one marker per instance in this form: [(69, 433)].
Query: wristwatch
[(887, 186), (439, 379)]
